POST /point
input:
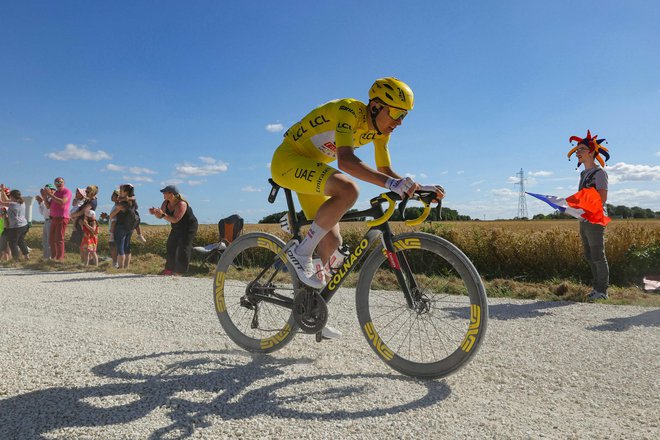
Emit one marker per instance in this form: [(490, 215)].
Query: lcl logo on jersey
[(344, 126), (318, 121)]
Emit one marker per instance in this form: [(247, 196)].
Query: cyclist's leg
[(324, 193), (329, 244)]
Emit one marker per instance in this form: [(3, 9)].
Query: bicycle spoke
[(434, 335)]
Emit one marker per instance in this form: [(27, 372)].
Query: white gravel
[(98, 356)]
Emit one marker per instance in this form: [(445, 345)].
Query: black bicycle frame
[(400, 265)]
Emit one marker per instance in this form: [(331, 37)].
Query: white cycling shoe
[(304, 268), (330, 333)]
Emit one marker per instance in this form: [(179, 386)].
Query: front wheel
[(438, 328), (248, 272)]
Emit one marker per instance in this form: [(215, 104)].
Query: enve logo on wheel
[(274, 340), (383, 350), (473, 330), (220, 305)]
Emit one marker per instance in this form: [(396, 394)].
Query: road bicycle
[(420, 302)]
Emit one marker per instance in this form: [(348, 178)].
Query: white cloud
[(658, 153), (504, 193), (635, 197), (29, 139), (412, 176), (113, 167), (423, 176), (171, 182), (460, 171), (195, 182), (126, 169), (444, 172), (138, 178), (478, 182), (211, 166), (540, 173), (140, 170), (251, 188), (74, 152), (624, 172), (274, 128)]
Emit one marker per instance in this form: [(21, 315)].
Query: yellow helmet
[(393, 92)]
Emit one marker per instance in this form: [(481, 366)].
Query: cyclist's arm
[(348, 162), (390, 172)]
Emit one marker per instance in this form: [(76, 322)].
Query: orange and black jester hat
[(594, 145)]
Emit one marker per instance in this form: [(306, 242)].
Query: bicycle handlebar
[(426, 197)]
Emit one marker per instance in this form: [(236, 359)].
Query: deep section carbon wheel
[(248, 271), (438, 328)]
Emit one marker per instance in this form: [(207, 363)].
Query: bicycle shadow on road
[(646, 319), (196, 388), (506, 312), (535, 309)]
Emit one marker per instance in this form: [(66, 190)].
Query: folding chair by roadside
[(228, 230)]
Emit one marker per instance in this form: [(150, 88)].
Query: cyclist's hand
[(438, 189), (405, 186)]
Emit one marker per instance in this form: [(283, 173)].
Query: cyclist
[(333, 131)]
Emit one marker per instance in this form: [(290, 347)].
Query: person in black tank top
[(176, 210)]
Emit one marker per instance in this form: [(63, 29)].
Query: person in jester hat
[(590, 150)]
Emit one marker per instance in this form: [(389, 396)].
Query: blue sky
[(199, 93)]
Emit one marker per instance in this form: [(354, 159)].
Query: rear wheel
[(247, 271), (441, 329)]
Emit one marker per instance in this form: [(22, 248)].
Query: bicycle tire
[(249, 253), (449, 334)]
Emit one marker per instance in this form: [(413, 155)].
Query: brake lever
[(438, 210), (402, 206)]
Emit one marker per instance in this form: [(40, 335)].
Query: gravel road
[(98, 356)]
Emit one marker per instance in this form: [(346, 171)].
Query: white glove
[(400, 186), (439, 190)]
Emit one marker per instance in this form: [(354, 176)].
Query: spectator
[(45, 211), (90, 238), (130, 196), (111, 227), (176, 210), (59, 204), (17, 225), (593, 235), (4, 247), (89, 203), (126, 219)]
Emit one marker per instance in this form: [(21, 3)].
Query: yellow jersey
[(338, 123)]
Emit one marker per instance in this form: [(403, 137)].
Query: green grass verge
[(551, 290)]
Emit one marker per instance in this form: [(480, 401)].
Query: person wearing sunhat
[(590, 150), (176, 210), (44, 209)]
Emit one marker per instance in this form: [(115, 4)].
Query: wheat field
[(512, 249)]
